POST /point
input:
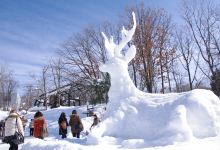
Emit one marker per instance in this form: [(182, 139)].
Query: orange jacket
[(38, 126)]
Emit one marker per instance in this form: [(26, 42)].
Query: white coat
[(10, 125)]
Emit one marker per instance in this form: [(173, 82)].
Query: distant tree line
[(171, 57)]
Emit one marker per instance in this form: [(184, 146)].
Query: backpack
[(63, 125)]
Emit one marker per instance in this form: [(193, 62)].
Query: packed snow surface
[(161, 125)]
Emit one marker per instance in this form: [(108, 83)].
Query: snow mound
[(153, 119), (3, 115), (163, 119)]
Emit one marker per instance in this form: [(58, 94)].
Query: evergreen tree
[(215, 82)]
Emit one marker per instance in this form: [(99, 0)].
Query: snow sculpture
[(117, 65), (158, 119)]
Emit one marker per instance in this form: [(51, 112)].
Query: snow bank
[(162, 119), (37, 144), (3, 115)]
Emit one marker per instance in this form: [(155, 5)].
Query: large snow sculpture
[(156, 118), (117, 65)]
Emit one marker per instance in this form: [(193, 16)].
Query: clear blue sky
[(32, 30)]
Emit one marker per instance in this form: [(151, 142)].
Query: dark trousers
[(1, 132), (63, 136), (13, 146), (31, 131), (76, 135)]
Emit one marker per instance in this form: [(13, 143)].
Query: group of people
[(14, 122), (75, 123), (39, 128)]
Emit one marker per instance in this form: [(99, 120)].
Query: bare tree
[(44, 83), (8, 86), (57, 70), (202, 18), (83, 53), (185, 47), (143, 40), (80, 55), (177, 75), (38, 88), (151, 38), (29, 96), (162, 45)]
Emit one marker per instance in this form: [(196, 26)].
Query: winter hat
[(74, 112), (38, 114), (63, 114)]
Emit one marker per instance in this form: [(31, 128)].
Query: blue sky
[(32, 30)]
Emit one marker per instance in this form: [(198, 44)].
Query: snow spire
[(114, 50), (117, 64)]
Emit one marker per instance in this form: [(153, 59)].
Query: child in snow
[(31, 126), (96, 120), (76, 124), (63, 125)]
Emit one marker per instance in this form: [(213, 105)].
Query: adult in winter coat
[(12, 124), (40, 126), (63, 125), (76, 124)]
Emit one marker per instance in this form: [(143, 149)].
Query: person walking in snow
[(63, 125), (40, 126), (31, 127), (75, 124), (96, 120), (2, 124), (24, 121), (12, 124)]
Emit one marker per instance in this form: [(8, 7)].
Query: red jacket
[(38, 126)]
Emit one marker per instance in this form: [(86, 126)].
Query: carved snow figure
[(159, 119)]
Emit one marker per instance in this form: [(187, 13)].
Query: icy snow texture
[(159, 119)]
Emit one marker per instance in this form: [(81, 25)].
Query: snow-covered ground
[(53, 142)]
